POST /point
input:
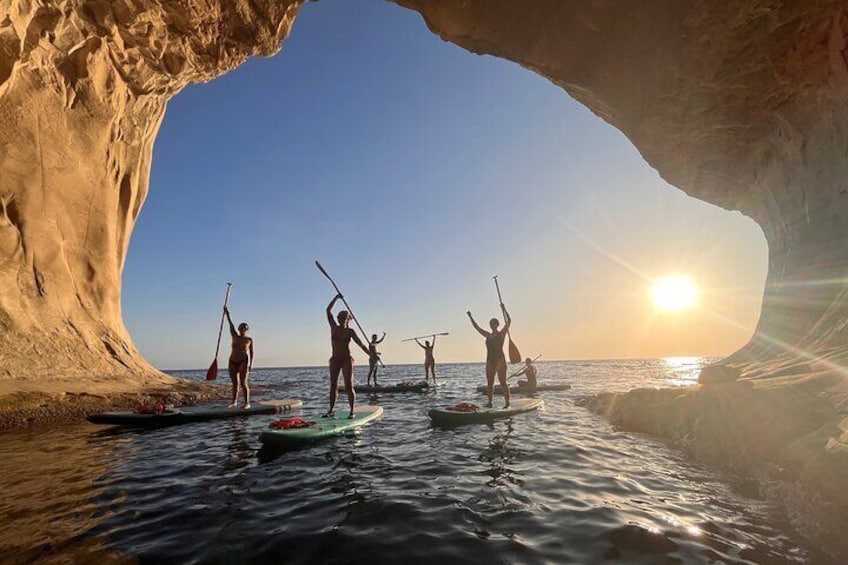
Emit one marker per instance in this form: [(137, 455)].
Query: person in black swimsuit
[(241, 360), (374, 357), (495, 359), (341, 361), (429, 360)]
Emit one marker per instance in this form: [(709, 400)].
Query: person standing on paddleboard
[(429, 360), (374, 357), (241, 360), (495, 358), (341, 361), (529, 371)]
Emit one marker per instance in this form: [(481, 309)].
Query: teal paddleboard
[(483, 415), (324, 428), (526, 390)]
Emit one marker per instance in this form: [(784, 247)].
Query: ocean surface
[(557, 486)]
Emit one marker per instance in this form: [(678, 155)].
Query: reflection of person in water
[(341, 361), (241, 360), (529, 371)]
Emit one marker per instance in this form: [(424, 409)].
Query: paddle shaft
[(514, 354), (221, 327), (519, 372), (423, 336), (349, 309)]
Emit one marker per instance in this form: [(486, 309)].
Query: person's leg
[(234, 378), (335, 369), (371, 366), (243, 373), (490, 381), (433, 370), (502, 381), (348, 380)]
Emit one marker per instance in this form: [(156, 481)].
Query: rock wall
[(83, 89), (739, 104)]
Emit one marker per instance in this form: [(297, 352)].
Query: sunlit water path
[(557, 486)]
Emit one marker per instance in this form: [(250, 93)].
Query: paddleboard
[(525, 390), (193, 414), (518, 406), (323, 428), (398, 387)]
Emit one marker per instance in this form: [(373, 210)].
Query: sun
[(673, 294)]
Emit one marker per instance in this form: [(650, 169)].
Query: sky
[(415, 171)]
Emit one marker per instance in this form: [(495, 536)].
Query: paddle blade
[(212, 373), (514, 353)]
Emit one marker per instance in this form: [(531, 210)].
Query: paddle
[(520, 371), (349, 309), (212, 373), (514, 354), (423, 336)]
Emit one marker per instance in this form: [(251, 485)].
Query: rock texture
[(83, 89)]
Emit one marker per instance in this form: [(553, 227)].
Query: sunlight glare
[(673, 294)]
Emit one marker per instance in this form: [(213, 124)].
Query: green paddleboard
[(323, 428), (484, 415)]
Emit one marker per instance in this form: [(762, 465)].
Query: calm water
[(558, 486)]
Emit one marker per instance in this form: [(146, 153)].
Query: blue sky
[(415, 171)]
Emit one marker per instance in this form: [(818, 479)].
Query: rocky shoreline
[(33, 408), (785, 425)]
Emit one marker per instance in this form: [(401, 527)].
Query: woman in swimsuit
[(429, 360), (241, 360), (495, 359), (341, 361), (529, 371), (374, 357)]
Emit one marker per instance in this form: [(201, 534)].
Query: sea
[(561, 485)]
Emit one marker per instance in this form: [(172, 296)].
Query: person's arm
[(330, 310), (419, 344), (507, 319), (233, 331), (434, 343), (381, 339), (480, 330), (358, 342), (252, 354)]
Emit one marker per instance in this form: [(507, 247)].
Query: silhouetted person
[(341, 361), (429, 360), (374, 357), (495, 359), (241, 360), (528, 371)]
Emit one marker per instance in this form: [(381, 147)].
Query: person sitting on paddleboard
[(341, 361), (241, 360), (429, 360), (529, 371), (374, 357), (495, 358)]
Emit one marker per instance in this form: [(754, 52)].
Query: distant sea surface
[(558, 486)]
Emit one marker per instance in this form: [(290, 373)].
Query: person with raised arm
[(241, 360), (495, 358), (341, 360), (374, 357), (429, 360)]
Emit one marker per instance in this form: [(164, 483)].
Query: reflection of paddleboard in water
[(447, 416), (525, 390), (337, 425), (153, 418)]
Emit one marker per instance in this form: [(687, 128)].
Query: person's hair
[(494, 322), (343, 316), (374, 337), (528, 360), (426, 342), (244, 326)]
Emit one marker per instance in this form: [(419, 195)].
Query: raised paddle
[(514, 354), (349, 309), (212, 373), (423, 336), (520, 371)]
